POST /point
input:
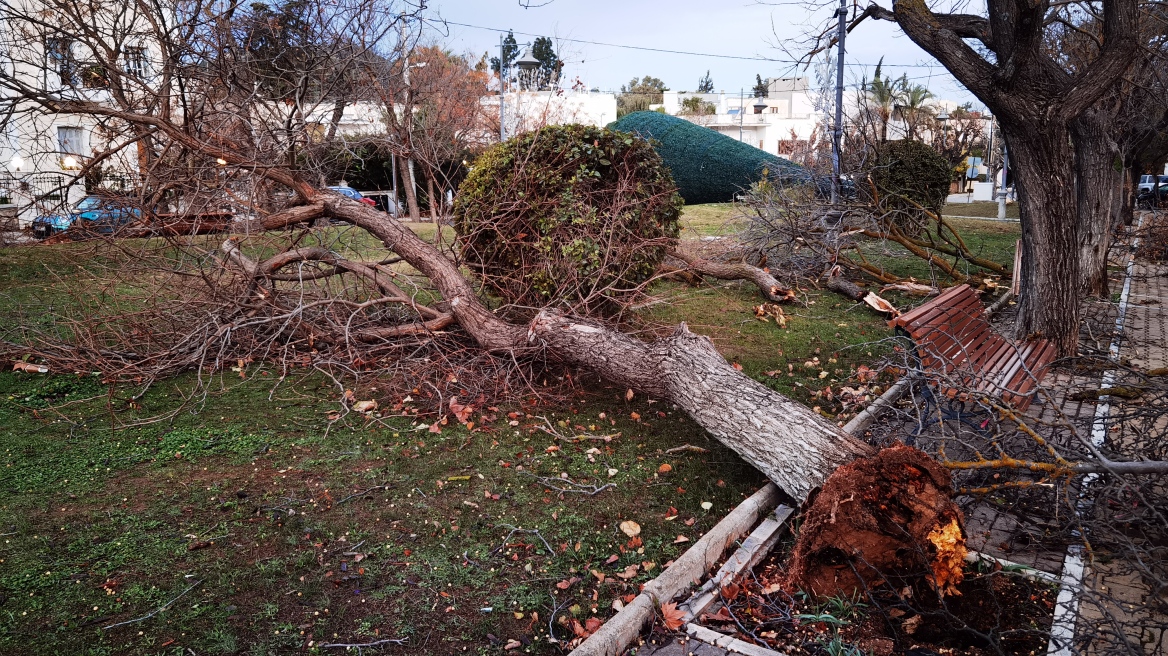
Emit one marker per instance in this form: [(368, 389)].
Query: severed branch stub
[(771, 289)]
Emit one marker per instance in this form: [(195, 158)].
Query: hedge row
[(707, 167)]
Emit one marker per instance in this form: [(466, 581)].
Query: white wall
[(528, 110)]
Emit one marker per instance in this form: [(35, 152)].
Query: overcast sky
[(740, 28)]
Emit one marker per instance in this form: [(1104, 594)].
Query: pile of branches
[(305, 300), (792, 230)]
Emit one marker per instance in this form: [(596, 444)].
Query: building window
[(59, 59), (774, 110), (760, 143), (70, 140), (136, 62)]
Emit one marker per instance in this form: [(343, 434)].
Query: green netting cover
[(708, 167)]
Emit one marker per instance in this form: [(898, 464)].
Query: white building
[(528, 110), (42, 153), (776, 123)]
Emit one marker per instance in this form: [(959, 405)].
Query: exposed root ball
[(889, 518)]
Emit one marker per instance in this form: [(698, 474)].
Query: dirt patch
[(885, 519)]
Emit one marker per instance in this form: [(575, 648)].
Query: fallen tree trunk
[(786, 441)]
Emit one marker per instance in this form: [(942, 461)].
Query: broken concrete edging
[(623, 628), (862, 421)]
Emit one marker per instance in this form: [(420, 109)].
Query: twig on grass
[(363, 493), (529, 531), (687, 447), (580, 488), (360, 645), (155, 611)]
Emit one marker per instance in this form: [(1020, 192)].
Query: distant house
[(528, 110), (43, 155), (776, 123)]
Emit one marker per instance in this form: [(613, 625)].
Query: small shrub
[(570, 216)]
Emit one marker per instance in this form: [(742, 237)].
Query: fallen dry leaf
[(680, 539), (629, 572), (365, 406), (461, 412), (671, 617), (512, 644), (629, 395), (630, 528), (665, 468), (567, 583), (611, 559)]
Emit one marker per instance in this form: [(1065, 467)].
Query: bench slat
[(953, 339), (939, 301)]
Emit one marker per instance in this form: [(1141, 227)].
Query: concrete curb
[(615, 635)]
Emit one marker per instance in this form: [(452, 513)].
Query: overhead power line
[(667, 51)]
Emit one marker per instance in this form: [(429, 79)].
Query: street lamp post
[(526, 63), (838, 133), (502, 95)]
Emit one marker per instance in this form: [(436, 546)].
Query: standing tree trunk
[(1012, 71), (1097, 188), (337, 115), (407, 176), (430, 197), (1050, 237)]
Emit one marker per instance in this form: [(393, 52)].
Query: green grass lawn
[(988, 209), (709, 220), (263, 519)]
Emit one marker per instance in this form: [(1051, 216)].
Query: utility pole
[(742, 108), (838, 133), (502, 97)]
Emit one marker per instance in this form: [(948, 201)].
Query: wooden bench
[(968, 359)]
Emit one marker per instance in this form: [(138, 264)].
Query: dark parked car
[(1148, 198), (350, 192), (97, 214)]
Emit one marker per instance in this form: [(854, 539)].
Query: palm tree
[(883, 95), (915, 107)]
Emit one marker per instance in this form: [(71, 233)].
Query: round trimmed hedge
[(571, 216), (707, 166), (912, 170)]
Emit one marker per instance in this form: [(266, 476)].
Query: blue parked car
[(96, 214)]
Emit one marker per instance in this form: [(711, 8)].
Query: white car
[(1149, 181)]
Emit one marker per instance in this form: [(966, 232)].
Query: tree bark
[(1051, 281), (407, 176), (845, 287), (791, 445), (1097, 191), (430, 198), (772, 290)]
